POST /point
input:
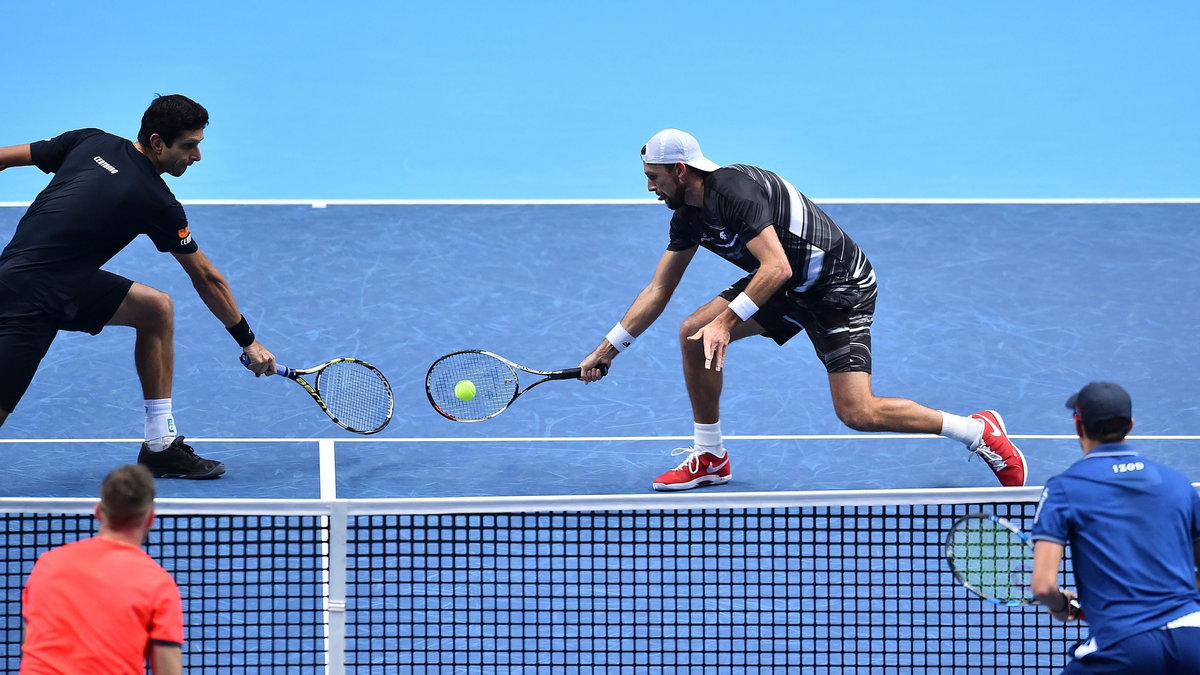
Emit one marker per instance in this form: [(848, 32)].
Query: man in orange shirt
[(102, 605)]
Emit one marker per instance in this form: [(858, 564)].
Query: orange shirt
[(94, 606)]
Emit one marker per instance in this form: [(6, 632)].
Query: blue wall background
[(524, 100)]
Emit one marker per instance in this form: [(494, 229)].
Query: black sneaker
[(179, 460)]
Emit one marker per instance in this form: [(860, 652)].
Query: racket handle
[(1076, 610), (575, 373), (279, 370)]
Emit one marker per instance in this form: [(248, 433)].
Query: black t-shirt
[(740, 201), (103, 194)]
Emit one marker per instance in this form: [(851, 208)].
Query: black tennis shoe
[(179, 460)]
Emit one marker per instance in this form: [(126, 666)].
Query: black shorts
[(838, 323), (26, 330)]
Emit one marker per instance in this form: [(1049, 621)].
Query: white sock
[(160, 424), (708, 438), (965, 430)]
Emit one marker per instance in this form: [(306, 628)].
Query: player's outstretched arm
[(646, 308), (1043, 583), (15, 155), (214, 290)]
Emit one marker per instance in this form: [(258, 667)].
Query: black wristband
[(241, 333), (1066, 603)]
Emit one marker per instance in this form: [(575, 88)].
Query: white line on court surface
[(328, 463), (575, 439)]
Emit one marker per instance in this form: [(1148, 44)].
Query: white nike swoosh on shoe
[(714, 469), (987, 422)]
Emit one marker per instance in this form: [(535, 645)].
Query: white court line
[(328, 462), (577, 439)]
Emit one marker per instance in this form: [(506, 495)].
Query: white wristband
[(619, 338), (743, 306)]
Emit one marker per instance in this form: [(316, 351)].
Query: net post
[(335, 662)]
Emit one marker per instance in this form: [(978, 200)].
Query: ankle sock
[(160, 424), (708, 438)]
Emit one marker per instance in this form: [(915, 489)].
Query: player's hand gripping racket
[(473, 385), (353, 393), (994, 559)]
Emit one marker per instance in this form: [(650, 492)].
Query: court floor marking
[(328, 463), (571, 439)]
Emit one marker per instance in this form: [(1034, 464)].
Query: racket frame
[(314, 390), (547, 375), (294, 374), (1019, 535), (961, 576)]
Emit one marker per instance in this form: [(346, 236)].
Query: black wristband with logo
[(241, 333)]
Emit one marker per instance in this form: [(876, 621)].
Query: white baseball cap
[(672, 145)]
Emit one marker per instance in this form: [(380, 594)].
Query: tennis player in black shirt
[(803, 273), (106, 191)]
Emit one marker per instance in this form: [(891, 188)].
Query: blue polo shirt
[(1131, 524)]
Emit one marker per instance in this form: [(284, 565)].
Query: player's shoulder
[(738, 181), (79, 135)]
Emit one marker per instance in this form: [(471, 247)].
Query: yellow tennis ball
[(464, 390)]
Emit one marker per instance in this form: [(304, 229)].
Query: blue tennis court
[(1005, 306), (1009, 306)]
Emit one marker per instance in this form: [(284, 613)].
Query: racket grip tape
[(279, 370), (575, 373)]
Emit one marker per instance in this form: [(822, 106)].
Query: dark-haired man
[(102, 605), (803, 273), (1133, 526), (106, 191)]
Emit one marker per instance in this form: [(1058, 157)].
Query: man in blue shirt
[(1133, 526)]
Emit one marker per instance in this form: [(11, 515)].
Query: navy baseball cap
[(1099, 402)]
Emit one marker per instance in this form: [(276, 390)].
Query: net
[(253, 586), (748, 583)]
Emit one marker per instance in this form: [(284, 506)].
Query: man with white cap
[(802, 273), (1133, 526)]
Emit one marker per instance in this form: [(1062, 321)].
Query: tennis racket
[(473, 385), (994, 559), (353, 393)]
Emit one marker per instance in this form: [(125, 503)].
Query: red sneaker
[(699, 468), (994, 447)]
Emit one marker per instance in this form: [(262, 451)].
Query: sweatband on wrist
[(1066, 602), (241, 333), (619, 338), (743, 306)]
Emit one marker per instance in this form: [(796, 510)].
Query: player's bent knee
[(158, 308), (857, 418), (688, 328)]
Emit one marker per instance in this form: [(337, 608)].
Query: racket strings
[(357, 395), (992, 559), (495, 384)]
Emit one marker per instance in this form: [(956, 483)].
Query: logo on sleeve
[(185, 236), (105, 165)]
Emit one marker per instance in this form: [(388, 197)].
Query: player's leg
[(112, 300), (707, 462), (860, 409), (841, 335), (25, 336), (1143, 652)]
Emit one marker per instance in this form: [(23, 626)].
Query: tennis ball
[(464, 390)]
